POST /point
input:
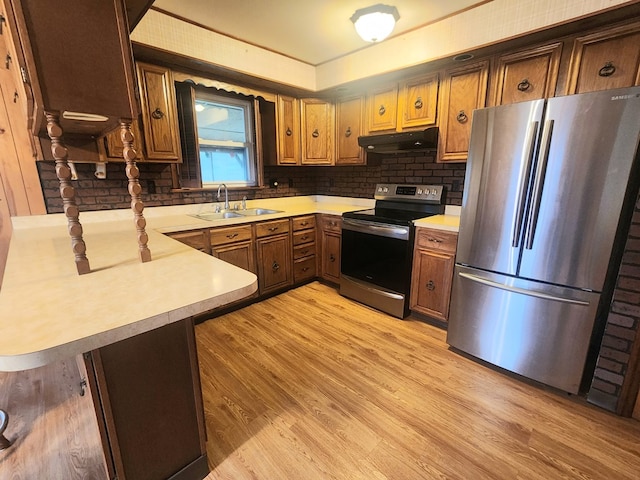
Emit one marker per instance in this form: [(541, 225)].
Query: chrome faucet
[(226, 196)]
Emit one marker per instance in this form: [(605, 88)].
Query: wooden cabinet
[(349, 126), (273, 245), (198, 239), (605, 59), (149, 404), (288, 130), (159, 113), (110, 146), (382, 109), (234, 245), (304, 248), (432, 274), (317, 127), (330, 246), (527, 75), (417, 102), (463, 90)]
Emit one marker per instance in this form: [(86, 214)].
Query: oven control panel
[(410, 193)]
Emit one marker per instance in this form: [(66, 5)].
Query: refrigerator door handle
[(541, 170), (523, 184), (531, 293)]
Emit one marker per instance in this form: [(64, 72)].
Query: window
[(218, 132)]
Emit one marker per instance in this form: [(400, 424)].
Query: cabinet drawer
[(302, 223), (437, 240), (195, 239), (305, 236), (331, 223), (276, 227), (304, 269), (302, 251), (220, 236)]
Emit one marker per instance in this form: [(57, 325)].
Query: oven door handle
[(379, 229)]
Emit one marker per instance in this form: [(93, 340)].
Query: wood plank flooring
[(309, 385)]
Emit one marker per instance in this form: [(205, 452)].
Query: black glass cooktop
[(387, 215)]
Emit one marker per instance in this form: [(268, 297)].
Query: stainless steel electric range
[(377, 245)]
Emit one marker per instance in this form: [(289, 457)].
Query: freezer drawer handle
[(531, 293)]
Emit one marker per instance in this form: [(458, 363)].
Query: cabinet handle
[(304, 237), (2, 20), (4, 421), (232, 235), (275, 267), (332, 258), (304, 224), (304, 252), (305, 269), (157, 114), (436, 240), (7, 61), (315, 133), (418, 103), (607, 70), (289, 132), (2, 130), (462, 117), (272, 229), (430, 285), (347, 133), (524, 85), (381, 110), (15, 97)]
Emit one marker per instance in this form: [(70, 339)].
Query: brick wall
[(359, 181), (617, 370)]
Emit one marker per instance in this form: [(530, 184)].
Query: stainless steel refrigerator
[(549, 189)]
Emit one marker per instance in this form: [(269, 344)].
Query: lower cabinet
[(146, 391), (432, 273), (198, 239), (234, 245), (273, 246), (304, 248), (330, 244)]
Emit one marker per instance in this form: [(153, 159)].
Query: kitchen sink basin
[(216, 215), (258, 211)]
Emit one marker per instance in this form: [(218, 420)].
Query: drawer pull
[(304, 224), (462, 117), (275, 267), (289, 132), (418, 103), (305, 269), (347, 132), (7, 61), (304, 237), (436, 240), (304, 252), (431, 286), (607, 70), (232, 235), (272, 229)]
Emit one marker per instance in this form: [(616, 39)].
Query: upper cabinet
[(408, 105), (349, 126), (527, 75), (463, 90), (317, 125), (159, 113), (288, 130), (605, 59)]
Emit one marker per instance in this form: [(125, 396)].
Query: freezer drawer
[(536, 330)]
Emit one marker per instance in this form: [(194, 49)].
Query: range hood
[(419, 141)]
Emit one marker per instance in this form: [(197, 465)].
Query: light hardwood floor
[(308, 385)]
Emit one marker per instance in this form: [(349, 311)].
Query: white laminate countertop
[(450, 221), (48, 312)]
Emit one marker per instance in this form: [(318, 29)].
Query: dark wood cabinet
[(273, 246), (432, 273), (330, 246), (527, 75)]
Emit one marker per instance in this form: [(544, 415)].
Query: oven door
[(376, 264)]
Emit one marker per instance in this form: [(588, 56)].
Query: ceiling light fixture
[(375, 23)]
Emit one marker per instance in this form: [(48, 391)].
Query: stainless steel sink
[(216, 215), (257, 211)]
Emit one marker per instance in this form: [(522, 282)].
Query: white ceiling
[(312, 31)]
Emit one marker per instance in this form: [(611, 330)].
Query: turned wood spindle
[(67, 192), (135, 189)]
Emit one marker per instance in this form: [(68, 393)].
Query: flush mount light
[(375, 23)]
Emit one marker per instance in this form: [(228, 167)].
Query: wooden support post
[(135, 189), (67, 192)]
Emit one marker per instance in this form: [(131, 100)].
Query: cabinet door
[(317, 132), (431, 283), (527, 75), (159, 113), (606, 59), (350, 118), (418, 101), (274, 263), (111, 148), (331, 256), (463, 90), (240, 254), (382, 109), (288, 130)]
